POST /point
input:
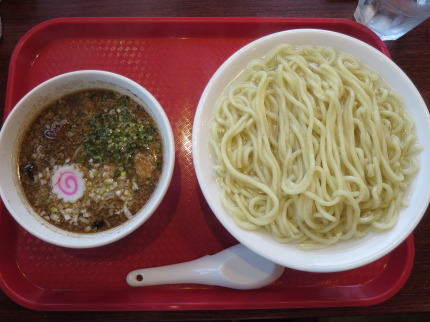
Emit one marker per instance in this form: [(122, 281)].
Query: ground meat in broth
[(110, 140)]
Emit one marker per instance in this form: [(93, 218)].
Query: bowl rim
[(101, 79), (290, 256)]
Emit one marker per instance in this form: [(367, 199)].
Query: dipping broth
[(90, 161)]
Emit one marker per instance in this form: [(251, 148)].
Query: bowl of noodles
[(87, 157), (310, 148)]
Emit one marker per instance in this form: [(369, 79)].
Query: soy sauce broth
[(108, 142)]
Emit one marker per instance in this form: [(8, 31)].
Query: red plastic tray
[(173, 58)]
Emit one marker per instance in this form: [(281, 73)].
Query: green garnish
[(116, 135)]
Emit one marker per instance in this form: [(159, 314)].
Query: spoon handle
[(196, 271)]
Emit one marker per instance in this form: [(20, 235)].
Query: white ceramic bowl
[(24, 112), (343, 255)]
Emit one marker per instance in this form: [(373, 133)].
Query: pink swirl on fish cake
[(68, 183)]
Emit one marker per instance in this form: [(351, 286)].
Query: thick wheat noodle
[(312, 147)]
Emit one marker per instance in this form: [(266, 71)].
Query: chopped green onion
[(116, 135)]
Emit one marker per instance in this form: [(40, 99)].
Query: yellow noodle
[(312, 147)]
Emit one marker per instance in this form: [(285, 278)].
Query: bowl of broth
[(311, 148), (87, 157)]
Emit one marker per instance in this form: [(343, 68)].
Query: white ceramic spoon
[(235, 267)]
